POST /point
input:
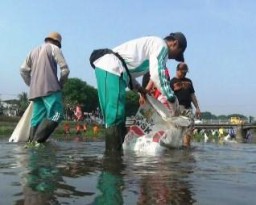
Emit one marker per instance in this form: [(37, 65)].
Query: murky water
[(68, 172)]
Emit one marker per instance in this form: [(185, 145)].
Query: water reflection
[(166, 179), (42, 181), (70, 173), (42, 177), (79, 173), (110, 182)]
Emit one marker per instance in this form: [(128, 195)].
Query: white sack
[(154, 129), (21, 131)]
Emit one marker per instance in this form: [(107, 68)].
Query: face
[(174, 49), (181, 73)]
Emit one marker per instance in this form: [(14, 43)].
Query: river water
[(69, 172)]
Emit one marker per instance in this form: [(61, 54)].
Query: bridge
[(213, 126), (241, 129)]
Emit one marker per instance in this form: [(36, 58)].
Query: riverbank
[(66, 129)]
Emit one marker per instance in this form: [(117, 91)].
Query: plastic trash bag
[(155, 129)]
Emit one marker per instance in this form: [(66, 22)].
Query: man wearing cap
[(184, 91), (118, 68), (39, 72)]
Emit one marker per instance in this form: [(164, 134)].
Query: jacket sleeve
[(59, 58), (25, 70), (157, 66)]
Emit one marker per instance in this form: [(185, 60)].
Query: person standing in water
[(118, 68), (184, 90), (39, 72)]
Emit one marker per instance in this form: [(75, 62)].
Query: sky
[(220, 53)]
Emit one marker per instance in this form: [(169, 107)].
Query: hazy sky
[(220, 33)]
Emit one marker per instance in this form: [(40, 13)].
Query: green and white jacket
[(142, 55)]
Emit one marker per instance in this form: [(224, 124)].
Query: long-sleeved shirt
[(142, 55), (39, 70)]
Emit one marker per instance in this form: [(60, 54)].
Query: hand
[(198, 113), (142, 100), (142, 91)]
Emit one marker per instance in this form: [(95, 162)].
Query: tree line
[(78, 92)]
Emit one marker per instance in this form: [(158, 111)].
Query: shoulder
[(156, 40), (148, 40), (189, 79), (50, 46)]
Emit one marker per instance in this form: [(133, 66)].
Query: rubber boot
[(32, 132), (114, 137), (122, 130), (44, 130)]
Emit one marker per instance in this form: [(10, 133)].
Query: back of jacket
[(142, 55), (39, 71)]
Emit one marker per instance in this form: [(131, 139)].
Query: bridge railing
[(211, 121)]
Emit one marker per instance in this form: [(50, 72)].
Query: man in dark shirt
[(184, 91)]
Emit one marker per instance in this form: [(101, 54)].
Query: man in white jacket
[(118, 68)]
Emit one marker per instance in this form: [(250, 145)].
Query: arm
[(148, 89), (25, 70), (59, 58), (157, 72), (142, 91), (195, 103)]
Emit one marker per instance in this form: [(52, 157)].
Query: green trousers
[(111, 92), (48, 107)]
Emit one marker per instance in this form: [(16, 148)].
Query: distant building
[(9, 108)]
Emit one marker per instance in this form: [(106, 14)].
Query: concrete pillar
[(240, 134)]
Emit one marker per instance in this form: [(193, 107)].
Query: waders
[(44, 130), (114, 137)]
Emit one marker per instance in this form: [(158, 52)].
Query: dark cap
[(180, 37)]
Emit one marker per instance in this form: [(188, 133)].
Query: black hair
[(178, 66)]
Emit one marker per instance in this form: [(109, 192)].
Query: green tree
[(78, 92), (208, 116), (23, 103), (1, 108), (223, 117)]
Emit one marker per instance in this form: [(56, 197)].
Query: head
[(177, 44), (181, 70), (54, 38)]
